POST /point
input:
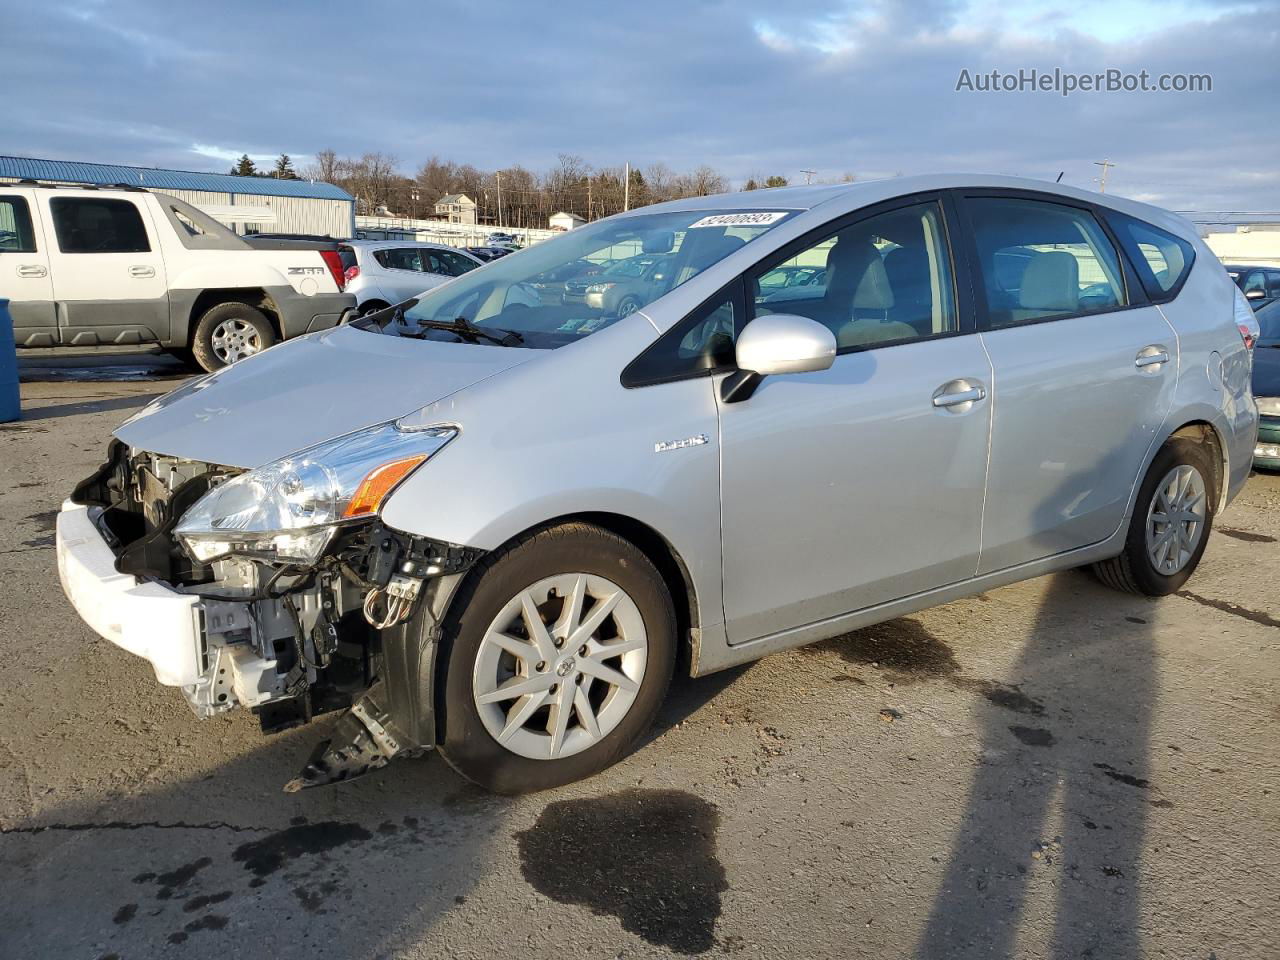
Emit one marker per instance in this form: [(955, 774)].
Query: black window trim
[(1130, 246), (152, 247), (734, 290), (15, 199), (1134, 291)]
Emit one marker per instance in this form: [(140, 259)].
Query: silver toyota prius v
[(492, 520)]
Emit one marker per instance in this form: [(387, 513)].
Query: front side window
[(885, 279), (564, 289), (16, 235), (1041, 260), (98, 225), (1162, 259), (448, 263)]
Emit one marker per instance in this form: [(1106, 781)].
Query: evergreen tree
[(284, 168), (776, 181), (244, 167)]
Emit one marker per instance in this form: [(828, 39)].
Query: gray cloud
[(749, 87)]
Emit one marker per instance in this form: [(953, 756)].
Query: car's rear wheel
[(1171, 522), (229, 332), (372, 306), (556, 661)]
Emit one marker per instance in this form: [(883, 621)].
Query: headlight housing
[(600, 287), (288, 511), (1268, 406)]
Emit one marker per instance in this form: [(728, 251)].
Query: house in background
[(565, 221), (456, 208)]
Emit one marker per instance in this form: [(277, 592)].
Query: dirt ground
[(1047, 770)]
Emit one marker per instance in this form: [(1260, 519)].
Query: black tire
[(183, 355), (202, 340), (630, 302), (371, 306), (1133, 571), (568, 548)]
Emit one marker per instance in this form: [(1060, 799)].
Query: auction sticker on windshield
[(755, 219)]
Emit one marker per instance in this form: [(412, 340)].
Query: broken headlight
[(289, 510)]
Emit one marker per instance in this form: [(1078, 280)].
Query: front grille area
[(143, 496)]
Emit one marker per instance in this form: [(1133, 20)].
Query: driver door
[(863, 483)]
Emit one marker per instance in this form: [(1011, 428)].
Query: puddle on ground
[(647, 857)]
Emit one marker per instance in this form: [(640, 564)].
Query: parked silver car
[(491, 524), (382, 273)]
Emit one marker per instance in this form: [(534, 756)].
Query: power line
[(1105, 164)]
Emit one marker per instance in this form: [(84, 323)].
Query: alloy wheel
[(1176, 519), (560, 666), (234, 340)]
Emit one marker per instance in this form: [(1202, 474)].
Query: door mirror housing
[(778, 343)]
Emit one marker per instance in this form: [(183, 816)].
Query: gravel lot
[(1050, 769)]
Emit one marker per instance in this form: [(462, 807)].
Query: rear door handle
[(142, 272), (33, 270), (1151, 356), (959, 395)]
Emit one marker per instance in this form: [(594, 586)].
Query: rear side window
[(16, 235), (1043, 261), (1162, 259), (98, 225)]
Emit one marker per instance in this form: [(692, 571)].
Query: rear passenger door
[(108, 274), (24, 273), (1084, 373), (405, 272)]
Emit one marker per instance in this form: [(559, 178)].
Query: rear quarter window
[(1162, 259)]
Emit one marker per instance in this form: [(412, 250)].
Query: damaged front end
[(304, 601)]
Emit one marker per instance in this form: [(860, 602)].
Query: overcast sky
[(749, 87)]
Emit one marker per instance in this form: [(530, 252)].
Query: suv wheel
[(1170, 525), (230, 332), (557, 660)]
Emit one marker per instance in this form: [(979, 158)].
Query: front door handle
[(959, 396), (33, 270), (1151, 356), (142, 272)]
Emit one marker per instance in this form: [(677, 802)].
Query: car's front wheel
[(556, 660), (1170, 525)]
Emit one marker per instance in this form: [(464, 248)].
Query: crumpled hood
[(308, 390)]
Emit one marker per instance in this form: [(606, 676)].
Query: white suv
[(384, 273), (83, 266)]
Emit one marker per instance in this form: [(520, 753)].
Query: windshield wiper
[(468, 331)]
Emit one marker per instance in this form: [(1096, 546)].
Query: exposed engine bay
[(289, 642)]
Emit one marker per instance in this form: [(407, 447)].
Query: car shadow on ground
[(225, 862), (1067, 827), (79, 407)]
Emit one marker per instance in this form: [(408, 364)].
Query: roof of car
[(384, 244), (808, 197)]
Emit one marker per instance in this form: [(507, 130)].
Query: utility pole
[(588, 199), (498, 176), (626, 187), (1102, 181), (808, 176)]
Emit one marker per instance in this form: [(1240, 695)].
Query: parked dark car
[(488, 253), (1260, 284), (1266, 386)]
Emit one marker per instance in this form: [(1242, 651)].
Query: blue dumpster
[(10, 404)]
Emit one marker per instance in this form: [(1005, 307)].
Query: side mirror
[(777, 343), (1255, 294)]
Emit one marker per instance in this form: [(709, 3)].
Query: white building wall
[(1256, 246)]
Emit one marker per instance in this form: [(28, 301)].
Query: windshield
[(562, 290)]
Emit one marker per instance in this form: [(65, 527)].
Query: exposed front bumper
[(148, 619)]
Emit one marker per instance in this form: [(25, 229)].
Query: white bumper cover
[(148, 619)]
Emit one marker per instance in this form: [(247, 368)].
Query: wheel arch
[(1205, 432), (255, 297), (660, 551)]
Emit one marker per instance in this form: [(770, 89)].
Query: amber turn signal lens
[(380, 481)]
